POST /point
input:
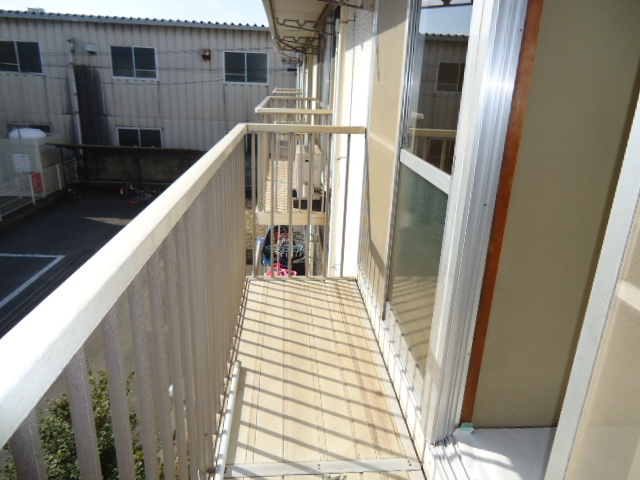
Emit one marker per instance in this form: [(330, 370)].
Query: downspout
[(73, 93)]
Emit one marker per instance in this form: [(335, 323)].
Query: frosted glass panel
[(608, 440), (417, 243)]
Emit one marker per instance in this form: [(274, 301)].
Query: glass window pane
[(145, 61), (437, 76), (8, 57), (150, 138), (448, 77), (234, 66), (122, 61), (29, 57), (234, 78), (257, 67), (417, 244), (128, 137)]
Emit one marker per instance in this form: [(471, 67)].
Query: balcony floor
[(314, 397)]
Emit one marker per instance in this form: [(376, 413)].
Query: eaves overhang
[(297, 25)]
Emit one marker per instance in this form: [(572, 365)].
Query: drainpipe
[(73, 93)]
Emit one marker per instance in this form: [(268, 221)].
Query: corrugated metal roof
[(445, 36), (71, 17)]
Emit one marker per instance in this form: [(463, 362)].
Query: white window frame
[(245, 52), (138, 129), (155, 59), (455, 92), (605, 281), (15, 47)]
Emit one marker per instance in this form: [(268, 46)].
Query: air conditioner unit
[(301, 168)]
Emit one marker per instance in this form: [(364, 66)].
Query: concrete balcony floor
[(314, 398)]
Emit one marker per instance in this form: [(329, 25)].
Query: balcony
[(167, 310)]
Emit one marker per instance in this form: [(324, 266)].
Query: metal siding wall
[(189, 101), (440, 109), (32, 98)]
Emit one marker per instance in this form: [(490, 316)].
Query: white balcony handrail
[(433, 133), (295, 111), (36, 351)]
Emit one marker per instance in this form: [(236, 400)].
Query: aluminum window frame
[(15, 49), (245, 82), (133, 57)]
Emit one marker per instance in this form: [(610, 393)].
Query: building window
[(45, 127), (23, 57), (450, 77), (245, 67), (139, 137), (135, 62)]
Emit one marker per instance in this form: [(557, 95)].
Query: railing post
[(26, 449), (254, 193), (59, 177), (118, 396), (33, 195), (82, 416), (344, 208)]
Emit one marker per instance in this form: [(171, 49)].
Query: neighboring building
[(146, 82), (502, 287)]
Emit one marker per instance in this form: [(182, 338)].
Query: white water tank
[(20, 133)]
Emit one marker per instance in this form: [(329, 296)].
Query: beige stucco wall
[(382, 135), (576, 125)]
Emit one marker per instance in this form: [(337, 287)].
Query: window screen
[(20, 57)]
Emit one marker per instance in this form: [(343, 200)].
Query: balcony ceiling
[(296, 24)]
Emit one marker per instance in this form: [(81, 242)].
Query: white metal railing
[(164, 295), (420, 146), (296, 109), (287, 91), (292, 166), (26, 188)]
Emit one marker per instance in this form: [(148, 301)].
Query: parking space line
[(25, 285)]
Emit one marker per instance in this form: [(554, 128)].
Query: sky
[(229, 11), (440, 20)]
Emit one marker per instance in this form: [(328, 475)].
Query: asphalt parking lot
[(41, 251)]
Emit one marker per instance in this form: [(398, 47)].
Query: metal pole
[(33, 196), (59, 177), (291, 156), (344, 208), (312, 139), (254, 192), (273, 198), (226, 426)]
